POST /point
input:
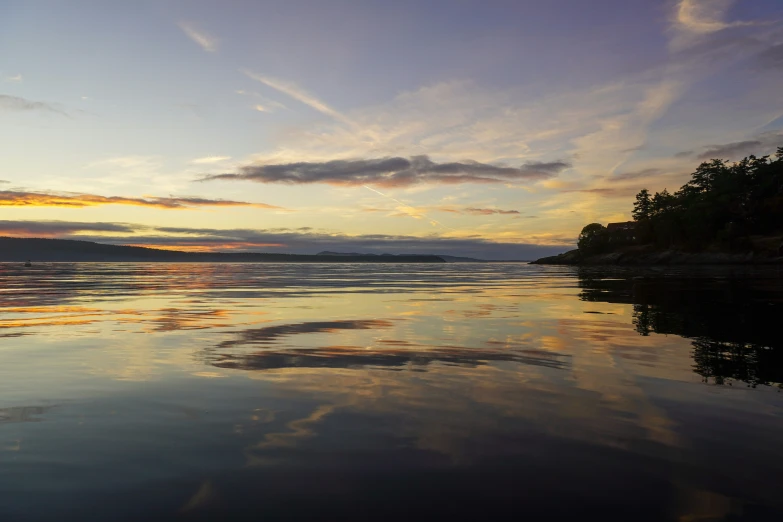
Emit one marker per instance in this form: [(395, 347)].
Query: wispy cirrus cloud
[(15, 103), (12, 198), (474, 211), (487, 211), (613, 192), (205, 40), (393, 172), (638, 174), (263, 104), (297, 93), (17, 78)]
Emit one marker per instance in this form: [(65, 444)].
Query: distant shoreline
[(41, 250), (44, 250)]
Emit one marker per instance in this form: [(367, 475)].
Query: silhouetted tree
[(642, 209), (593, 239)]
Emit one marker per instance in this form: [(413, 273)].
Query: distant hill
[(53, 250)]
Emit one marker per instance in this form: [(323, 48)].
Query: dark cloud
[(13, 198), (60, 228), (760, 145), (4, 181), (15, 103), (393, 172), (772, 57), (731, 150)]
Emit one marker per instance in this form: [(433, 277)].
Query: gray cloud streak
[(62, 228), (760, 145), (15, 103), (392, 172), (645, 173)]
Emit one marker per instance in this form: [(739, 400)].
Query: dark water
[(404, 392)]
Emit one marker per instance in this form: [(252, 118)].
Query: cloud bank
[(392, 172)]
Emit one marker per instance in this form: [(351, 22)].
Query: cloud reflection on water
[(405, 370)]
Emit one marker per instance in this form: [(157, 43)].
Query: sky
[(491, 128)]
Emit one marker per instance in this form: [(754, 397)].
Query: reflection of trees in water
[(745, 362), (731, 317)]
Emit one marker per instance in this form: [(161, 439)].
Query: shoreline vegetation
[(66, 250), (728, 213)]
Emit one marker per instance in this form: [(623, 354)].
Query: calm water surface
[(477, 391)]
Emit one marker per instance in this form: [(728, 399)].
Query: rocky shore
[(660, 257)]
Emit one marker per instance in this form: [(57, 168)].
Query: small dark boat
[(28, 263)]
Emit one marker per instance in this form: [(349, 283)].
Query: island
[(14, 249), (728, 213)]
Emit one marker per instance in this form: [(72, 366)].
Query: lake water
[(437, 392)]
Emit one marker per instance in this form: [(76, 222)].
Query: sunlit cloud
[(453, 210), (264, 104), (11, 198), (208, 160), (207, 42), (14, 79), (393, 172), (704, 16)]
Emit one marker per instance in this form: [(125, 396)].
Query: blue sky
[(296, 126)]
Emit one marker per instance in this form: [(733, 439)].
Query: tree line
[(722, 206)]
